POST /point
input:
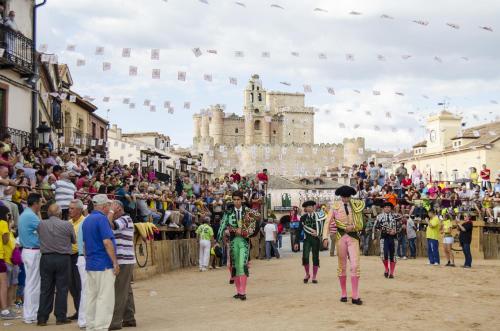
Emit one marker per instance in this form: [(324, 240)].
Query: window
[(102, 133), (251, 97), (260, 96), (253, 87), (94, 130), (256, 111), (293, 121), (304, 133), (257, 88), (256, 125), (274, 131), (236, 131)]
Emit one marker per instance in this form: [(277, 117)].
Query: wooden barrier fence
[(491, 245)]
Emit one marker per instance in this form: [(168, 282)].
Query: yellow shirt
[(447, 227), (76, 227), (433, 229), (9, 248), (474, 177), (4, 228)]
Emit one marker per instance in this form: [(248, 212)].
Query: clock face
[(432, 136)]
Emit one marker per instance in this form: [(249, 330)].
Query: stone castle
[(275, 132)]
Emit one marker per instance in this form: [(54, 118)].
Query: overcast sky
[(460, 65)]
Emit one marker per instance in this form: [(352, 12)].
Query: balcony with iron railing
[(18, 137), (75, 138), (19, 51)]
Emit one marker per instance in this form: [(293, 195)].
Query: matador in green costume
[(240, 223)]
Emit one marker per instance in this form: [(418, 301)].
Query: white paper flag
[(79, 62), (307, 88), (71, 48), (106, 66), (322, 56), (296, 54), (266, 54), (126, 101), (375, 92), (126, 52), (131, 106), (147, 102), (132, 71), (207, 77), (93, 143), (197, 52), (239, 54), (155, 74), (43, 48), (233, 81), (99, 50), (166, 104), (212, 51), (72, 98), (330, 90), (100, 142), (155, 54), (105, 99), (361, 151), (152, 108), (181, 75), (187, 105)]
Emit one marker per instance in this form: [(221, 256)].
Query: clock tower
[(441, 128)]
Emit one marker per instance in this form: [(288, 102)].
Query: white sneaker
[(173, 225), (10, 315), (436, 263), (405, 258)]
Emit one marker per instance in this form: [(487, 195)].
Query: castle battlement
[(276, 130)]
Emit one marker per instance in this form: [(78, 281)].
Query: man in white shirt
[(270, 232)]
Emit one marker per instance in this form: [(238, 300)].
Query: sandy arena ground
[(421, 297)]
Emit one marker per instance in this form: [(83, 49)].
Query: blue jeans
[(269, 245), (413, 248), (402, 246), (433, 250), (280, 240), (467, 254)]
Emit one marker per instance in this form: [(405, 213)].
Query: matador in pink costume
[(348, 216)]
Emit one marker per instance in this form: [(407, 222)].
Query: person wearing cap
[(348, 217), (100, 263), (390, 226), (311, 223), (240, 223)]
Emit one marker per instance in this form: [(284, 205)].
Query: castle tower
[(196, 130), (216, 124), (205, 122), (354, 151), (257, 129)]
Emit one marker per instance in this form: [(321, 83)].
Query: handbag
[(16, 256)]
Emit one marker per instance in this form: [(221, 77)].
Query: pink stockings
[(315, 271), (348, 248), (241, 284)]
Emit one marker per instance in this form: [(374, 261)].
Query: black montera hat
[(345, 191), (309, 203)]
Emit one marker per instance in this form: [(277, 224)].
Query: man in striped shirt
[(123, 229), (65, 193)]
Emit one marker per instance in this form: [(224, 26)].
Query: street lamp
[(43, 133)]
